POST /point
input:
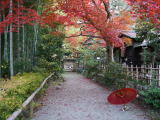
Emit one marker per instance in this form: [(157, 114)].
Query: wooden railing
[(29, 100), (145, 73)]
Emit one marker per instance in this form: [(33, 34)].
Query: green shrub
[(114, 77), (50, 51), (4, 68), (91, 65), (153, 114), (23, 86), (91, 68), (7, 106), (152, 97)]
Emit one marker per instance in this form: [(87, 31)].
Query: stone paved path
[(81, 99)]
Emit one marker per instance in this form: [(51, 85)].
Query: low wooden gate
[(70, 65)]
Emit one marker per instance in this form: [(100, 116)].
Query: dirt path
[(81, 99)]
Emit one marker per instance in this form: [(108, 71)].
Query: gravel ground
[(81, 99)]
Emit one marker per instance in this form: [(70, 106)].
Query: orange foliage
[(127, 41)]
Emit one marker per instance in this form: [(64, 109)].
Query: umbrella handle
[(124, 107), (121, 94)]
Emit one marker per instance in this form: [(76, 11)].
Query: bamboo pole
[(11, 41)]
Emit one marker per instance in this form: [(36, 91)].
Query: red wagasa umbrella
[(122, 96)]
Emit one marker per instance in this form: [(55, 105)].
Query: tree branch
[(106, 5), (93, 1), (84, 36)]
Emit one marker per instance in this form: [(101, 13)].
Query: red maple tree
[(20, 15), (96, 20), (146, 9)]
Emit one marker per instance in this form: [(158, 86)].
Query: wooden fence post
[(132, 74), (142, 70), (150, 75), (127, 70), (145, 72), (137, 74), (158, 75)]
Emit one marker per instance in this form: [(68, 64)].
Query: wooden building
[(131, 54)]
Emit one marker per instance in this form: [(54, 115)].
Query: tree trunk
[(35, 42), (110, 54), (35, 37), (11, 42), (6, 44), (23, 46), (27, 50), (23, 39), (0, 54), (18, 43), (18, 36), (6, 52)]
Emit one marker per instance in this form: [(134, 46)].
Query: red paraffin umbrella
[(122, 96)]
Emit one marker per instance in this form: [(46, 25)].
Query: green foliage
[(154, 114), (50, 51), (114, 77), (91, 68), (147, 56), (4, 67), (91, 64), (67, 49), (152, 97), (143, 29), (21, 65), (15, 96), (149, 32), (7, 106)]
